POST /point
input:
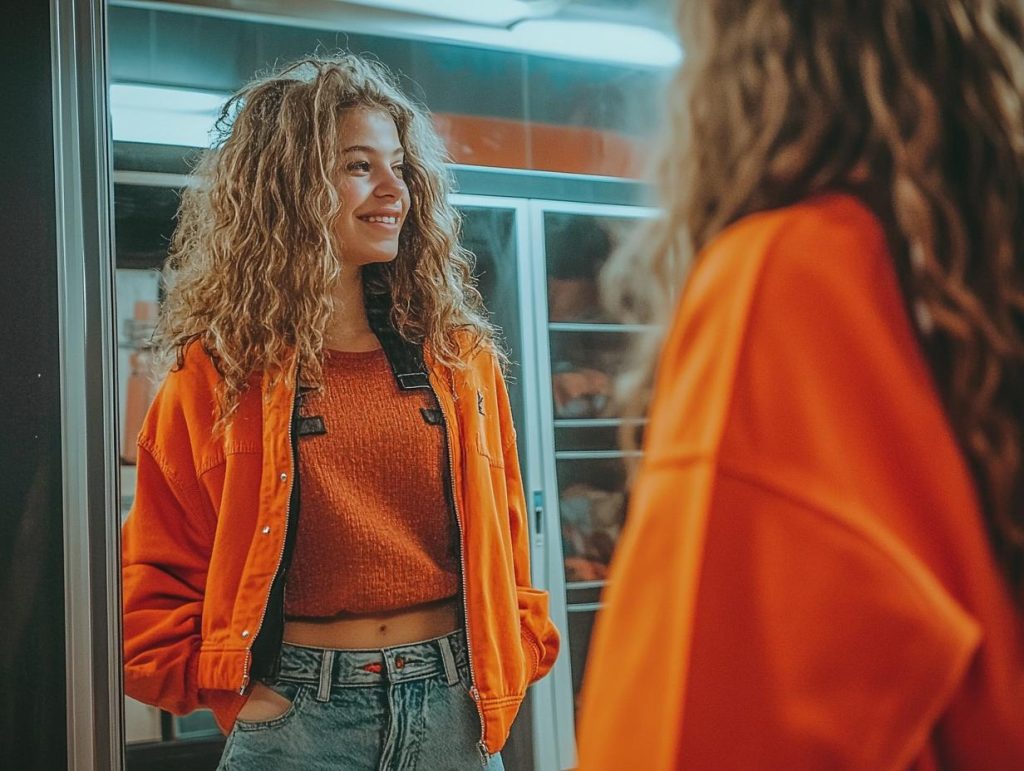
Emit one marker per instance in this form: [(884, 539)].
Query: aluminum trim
[(85, 280), (559, 681), (152, 179)]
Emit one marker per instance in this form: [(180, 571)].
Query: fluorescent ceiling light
[(165, 116), (499, 13), (529, 26), (598, 41), (521, 26), (575, 39)]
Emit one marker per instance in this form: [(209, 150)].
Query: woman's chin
[(375, 257)]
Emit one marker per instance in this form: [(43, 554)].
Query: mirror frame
[(85, 285)]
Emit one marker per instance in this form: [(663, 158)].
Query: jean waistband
[(325, 667)]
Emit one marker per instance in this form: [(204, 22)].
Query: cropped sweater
[(376, 531)]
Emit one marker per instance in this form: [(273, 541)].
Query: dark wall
[(32, 650)]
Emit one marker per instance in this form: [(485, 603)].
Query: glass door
[(496, 230), (582, 353)]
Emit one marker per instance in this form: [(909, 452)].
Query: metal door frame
[(85, 278)]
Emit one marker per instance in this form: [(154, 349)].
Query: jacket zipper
[(280, 556), (474, 691)]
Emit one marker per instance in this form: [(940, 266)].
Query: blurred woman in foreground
[(823, 566)]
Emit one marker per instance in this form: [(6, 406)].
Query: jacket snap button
[(245, 633), (266, 529), (284, 477)]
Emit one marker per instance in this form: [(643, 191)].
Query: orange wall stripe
[(485, 141)]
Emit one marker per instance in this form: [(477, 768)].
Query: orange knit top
[(375, 529)]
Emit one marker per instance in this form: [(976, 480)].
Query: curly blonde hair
[(253, 259), (918, 105)]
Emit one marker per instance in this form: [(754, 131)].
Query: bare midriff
[(377, 630)]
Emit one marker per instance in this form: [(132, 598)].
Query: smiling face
[(374, 196)]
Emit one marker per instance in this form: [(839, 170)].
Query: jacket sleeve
[(166, 546), (783, 637), (540, 636)]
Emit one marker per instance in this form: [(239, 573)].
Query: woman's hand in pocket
[(263, 704)]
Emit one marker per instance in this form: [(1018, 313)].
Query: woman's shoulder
[(475, 349), (825, 244), (831, 232), (188, 393), (195, 368)]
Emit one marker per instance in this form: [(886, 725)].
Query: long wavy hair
[(253, 258), (918, 106)]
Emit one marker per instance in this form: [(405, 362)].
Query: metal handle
[(538, 518)]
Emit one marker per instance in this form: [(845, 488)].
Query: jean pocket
[(465, 681), (294, 693)]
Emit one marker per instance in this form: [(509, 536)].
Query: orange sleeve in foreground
[(759, 615)]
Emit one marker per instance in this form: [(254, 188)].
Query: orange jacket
[(805, 580), (205, 542)]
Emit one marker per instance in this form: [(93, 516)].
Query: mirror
[(524, 124)]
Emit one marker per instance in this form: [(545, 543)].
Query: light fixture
[(600, 41), (530, 26), (562, 38), (161, 115), (550, 28), (496, 13)]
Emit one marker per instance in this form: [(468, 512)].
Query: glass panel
[(581, 628), (577, 247), (141, 722), (589, 353), (577, 436), (585, 366), (196, 725), (490, 234), (592, 504), (144, 219)]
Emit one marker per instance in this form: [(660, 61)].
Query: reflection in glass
[(511, 109), (589, 353), (592, 503)]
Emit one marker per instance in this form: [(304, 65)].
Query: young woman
[(823, 566), (328, 546)]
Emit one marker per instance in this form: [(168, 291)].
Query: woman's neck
[(348, 329)]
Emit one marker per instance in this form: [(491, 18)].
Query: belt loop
[(450, 670), (326, 671)]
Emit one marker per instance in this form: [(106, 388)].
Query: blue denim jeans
[(405, 708)]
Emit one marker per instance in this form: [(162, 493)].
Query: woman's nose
[(390, 185)]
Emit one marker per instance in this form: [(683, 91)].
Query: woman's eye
[(399, 169), (359, 166)]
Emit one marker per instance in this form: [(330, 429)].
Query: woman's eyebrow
[(368, 149)]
